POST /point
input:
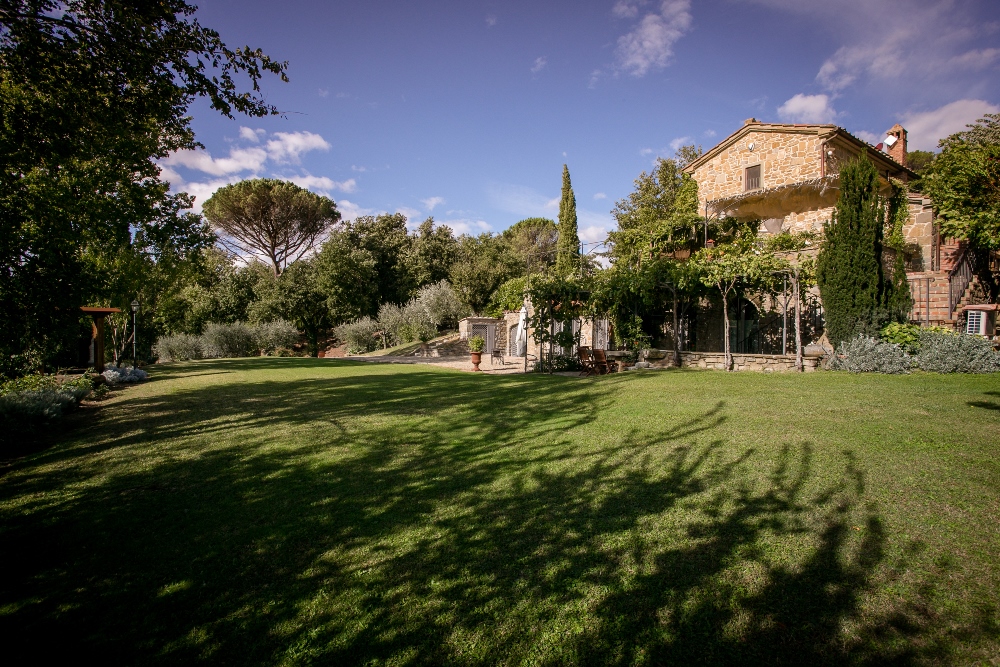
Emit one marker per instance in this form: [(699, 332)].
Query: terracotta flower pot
[(477, 358)]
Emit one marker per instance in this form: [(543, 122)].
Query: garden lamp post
[(135, 311)]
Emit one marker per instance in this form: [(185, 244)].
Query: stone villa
[(787, 176)]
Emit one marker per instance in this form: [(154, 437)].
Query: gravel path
[(513, 365)]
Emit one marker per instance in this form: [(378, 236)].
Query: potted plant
[(476, 346)]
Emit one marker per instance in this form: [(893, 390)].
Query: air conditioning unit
[(980, 320)]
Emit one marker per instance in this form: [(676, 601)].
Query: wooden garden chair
[(601, 362), (497, 355), (587, 361)]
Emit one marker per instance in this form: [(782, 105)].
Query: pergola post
[(99, 343), (98, 332)]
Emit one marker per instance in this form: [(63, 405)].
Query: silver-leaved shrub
[(124, 375), (180, 347), (32, 398), (956, 353), (864, 354)]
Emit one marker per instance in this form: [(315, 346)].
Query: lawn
[(293, 511)]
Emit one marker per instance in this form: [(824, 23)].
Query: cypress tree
[(857, 296), (568, 246)]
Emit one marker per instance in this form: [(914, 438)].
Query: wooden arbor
[(98, 333)]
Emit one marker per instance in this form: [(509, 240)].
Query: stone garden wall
[(764, 363)]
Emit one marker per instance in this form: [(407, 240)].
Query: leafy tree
[(681, 280), (623, 294), (964, 184), (93, 93), (266, 217), (213, 289), (685, 155), (347, 276), (857, 295), (434, 251), (568, 247), (484, 263), (533, 241), (364, 264), (800, 271), (556, 301), (920, 161), (660, 216), (296, 295), (385, 240), (509, 296), (724, 267)]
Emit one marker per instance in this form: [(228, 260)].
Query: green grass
[(293, 511)]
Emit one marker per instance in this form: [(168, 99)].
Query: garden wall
[(765, 363)]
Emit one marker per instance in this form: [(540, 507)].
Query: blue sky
[(467, 110)]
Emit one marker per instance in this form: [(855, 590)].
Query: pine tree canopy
[(568, 248)]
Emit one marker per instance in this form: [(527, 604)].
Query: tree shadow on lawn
[(428, 517), (988, 405)]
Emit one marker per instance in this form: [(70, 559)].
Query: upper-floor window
[(752, 179)]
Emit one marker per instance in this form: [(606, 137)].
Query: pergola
[(98, 332)]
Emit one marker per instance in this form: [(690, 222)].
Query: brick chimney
[(898, 150)]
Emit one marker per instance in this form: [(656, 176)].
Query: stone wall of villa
[(785, 158)]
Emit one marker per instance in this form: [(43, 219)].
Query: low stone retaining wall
[(764, 363)]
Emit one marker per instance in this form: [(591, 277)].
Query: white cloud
[(431, 202), (709, 133), (903, 45), (200, 191), (289, 146), (251, 135), (595, 76), (349, 210), (870, 137), (678, 142), (412, 215), (321, 184), (539, 65), (323, 92), (650, 44), (645, 151), (600, 195), (240, 159), (247, 162), (355, 167), (285, 147), (626, 9), (593, 233), (976, 59), (926, 128), (850, 62), (466, 226), (491, 20), (807, 109)]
